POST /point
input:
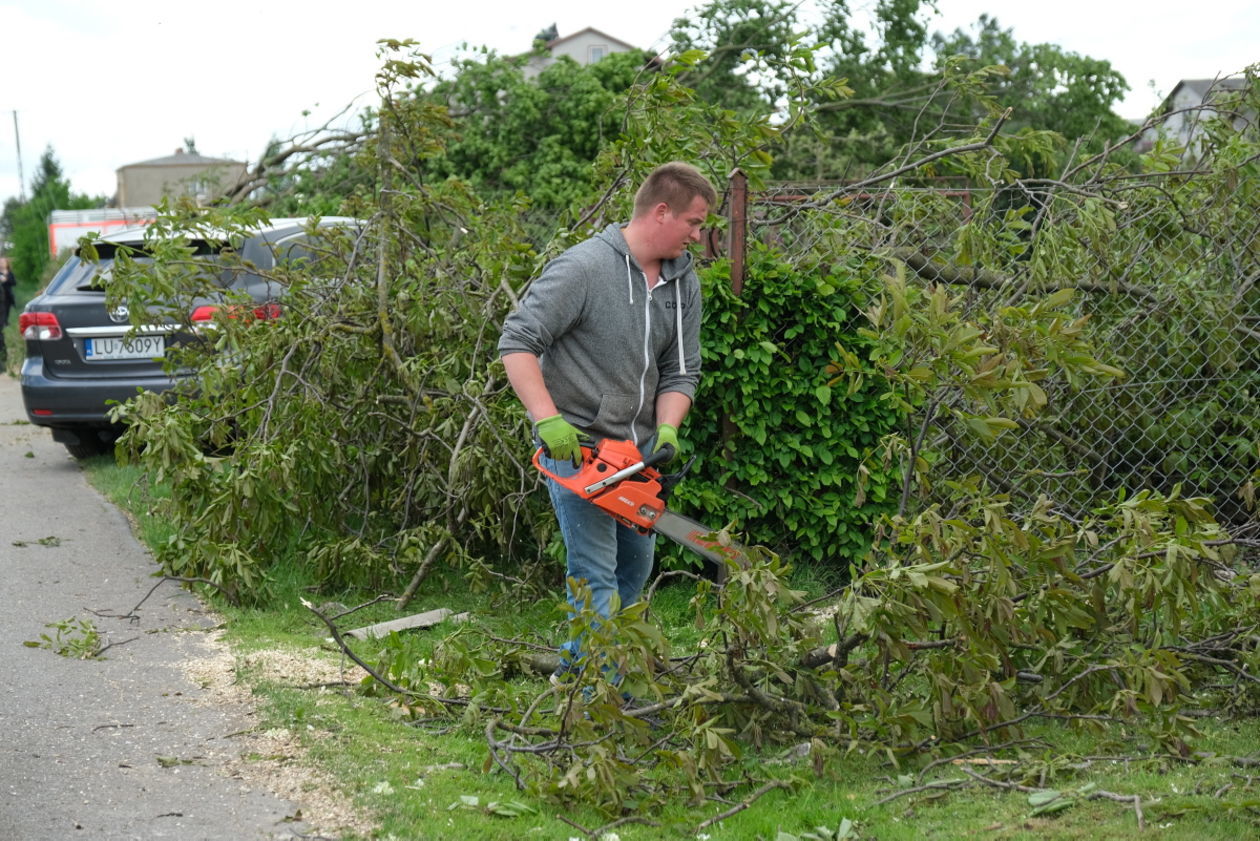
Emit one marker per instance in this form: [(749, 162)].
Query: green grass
[(416, 778), (126, 487)]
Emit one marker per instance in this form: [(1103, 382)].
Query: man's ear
[(660, 211)]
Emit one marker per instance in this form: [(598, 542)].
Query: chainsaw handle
[(664, 454), (542, 451)]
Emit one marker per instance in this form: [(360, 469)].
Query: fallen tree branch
[(741, 806), (934, 272), (349, 652), (978, 146), (107, 647), (933, 786), (230, 595), (1134, 799), (494, 745), (858, 186), (378, 677), (422, 571)]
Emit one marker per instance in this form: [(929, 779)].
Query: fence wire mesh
[(1166, 267)]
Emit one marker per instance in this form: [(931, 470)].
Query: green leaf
[(1054, 806), (1058, 299), (510, 808), (921, 374)]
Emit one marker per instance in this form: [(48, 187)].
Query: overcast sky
[(110, 84)]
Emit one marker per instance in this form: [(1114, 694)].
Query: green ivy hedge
[(777, 448)]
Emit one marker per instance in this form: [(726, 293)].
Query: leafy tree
[(745, 40), (313, 173), (538, 136), (894, 103), (25, 224), (296, 180), (882, 116), (1046, 86), (547, 34)]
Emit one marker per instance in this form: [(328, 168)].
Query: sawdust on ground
[(274, 760)]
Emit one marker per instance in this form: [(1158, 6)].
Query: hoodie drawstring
[(629, 279), (682, 361)]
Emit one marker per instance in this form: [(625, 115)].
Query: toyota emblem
[(120, 314)]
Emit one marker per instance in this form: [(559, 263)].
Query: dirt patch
[(274, 760)]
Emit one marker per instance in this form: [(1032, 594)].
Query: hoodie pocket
[(616, 413)]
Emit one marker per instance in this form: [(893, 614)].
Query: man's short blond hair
[(675, 183)]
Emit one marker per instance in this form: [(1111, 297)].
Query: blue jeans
[(609, 557)]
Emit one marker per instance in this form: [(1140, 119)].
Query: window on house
[(595, 52)]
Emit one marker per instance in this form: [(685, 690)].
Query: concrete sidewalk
[(124, 747)]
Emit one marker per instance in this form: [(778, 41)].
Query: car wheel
[(82, 451), (85, 442), (88, 448)]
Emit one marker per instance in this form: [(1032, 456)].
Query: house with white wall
[(1185, 109), (585, 47)]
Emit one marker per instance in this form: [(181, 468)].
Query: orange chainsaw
[(623, 483)]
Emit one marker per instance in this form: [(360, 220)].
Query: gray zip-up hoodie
[(606, 345)]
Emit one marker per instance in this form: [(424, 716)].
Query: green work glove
[(560, 439), (667, 434)]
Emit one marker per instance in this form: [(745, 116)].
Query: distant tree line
[(24, 222), (873, 97)]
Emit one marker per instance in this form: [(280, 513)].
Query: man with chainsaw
[(606, 344)]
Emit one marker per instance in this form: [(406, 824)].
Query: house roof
[(1200, 87), (593, 31), (182, 158)]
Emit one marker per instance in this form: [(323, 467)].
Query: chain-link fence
[(1165, 262)]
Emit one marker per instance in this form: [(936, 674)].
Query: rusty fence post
[(737, 227), (737, 241)]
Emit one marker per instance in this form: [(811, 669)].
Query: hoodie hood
[(671, 269)]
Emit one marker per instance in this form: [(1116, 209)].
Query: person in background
[(606, 344), (8, 302)]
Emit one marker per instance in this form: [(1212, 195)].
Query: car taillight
[(269, 311), (205, 313), (39, 326)]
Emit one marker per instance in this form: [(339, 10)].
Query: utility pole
[(17, 141)]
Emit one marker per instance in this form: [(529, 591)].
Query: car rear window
[(83, 275), (73, 275)]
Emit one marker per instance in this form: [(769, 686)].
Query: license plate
[(134, 347)]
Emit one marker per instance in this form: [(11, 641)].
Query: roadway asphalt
[(122, 747)]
